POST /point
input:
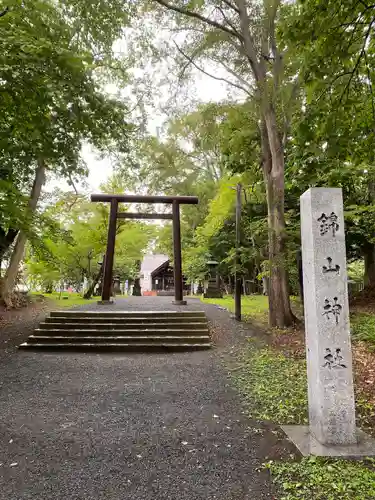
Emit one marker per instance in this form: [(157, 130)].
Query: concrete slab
[(308, 445)]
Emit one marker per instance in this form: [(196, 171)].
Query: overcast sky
[(207, 90), (202, 88)]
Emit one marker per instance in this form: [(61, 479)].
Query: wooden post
[(108, 264), (237, 290), (178, 284)]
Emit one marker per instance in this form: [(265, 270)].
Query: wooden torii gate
[(114, 200)]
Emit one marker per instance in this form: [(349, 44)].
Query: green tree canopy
[(50, 103)]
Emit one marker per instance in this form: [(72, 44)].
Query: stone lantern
[(116, 285), (213, 286), (137, 281)]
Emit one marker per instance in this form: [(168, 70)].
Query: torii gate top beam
[(135, 198)]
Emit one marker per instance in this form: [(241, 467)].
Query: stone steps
[(121, 331), (81, 346), (94, 339), (120, 320), (82, 325), (127, 314), (82, 330)]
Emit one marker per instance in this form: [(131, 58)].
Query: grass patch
[(273, 382), (363, 327), (274, 386), (254, 307), (324, 479), (67, 299)]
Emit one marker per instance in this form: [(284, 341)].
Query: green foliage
[(356, 270), (67, 299), (324, 479), (220, 208), (50, 99), (43, 274), (164, 240), (50, 103), (193, 159), (210, 238), (274, 386), (254, 307), (97, 24), (75, 253), (331, 140), (363, 327), (240, 144)]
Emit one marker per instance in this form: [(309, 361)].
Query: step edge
[(126, 330), (127, 313), (122, 337), (162, 344), (44, 323)]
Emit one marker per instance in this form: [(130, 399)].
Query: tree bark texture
[(280, 313), (10, 277), (95, 281), (7, 239), (369, 257)]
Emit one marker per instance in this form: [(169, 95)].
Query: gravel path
[(17, 324), (130, 426)]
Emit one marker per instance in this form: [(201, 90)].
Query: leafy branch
[(359, 58), (5, 11), (229, 82), (195, 15)]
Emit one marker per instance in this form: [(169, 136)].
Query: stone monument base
[(309, 445), (105, 302)]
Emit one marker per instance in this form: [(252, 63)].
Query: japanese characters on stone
[(332, 309), (328, 224), (333, 360), (331, 269)]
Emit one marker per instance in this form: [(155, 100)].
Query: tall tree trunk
[(369, 257), (10, 277), (7, 239), (280, 313), (94, 282)]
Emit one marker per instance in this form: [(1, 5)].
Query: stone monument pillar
[(329, 355), (332, 429)]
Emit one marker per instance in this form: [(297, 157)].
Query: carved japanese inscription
[(330, 269), (328, 223), (333, 360), (332, 309)]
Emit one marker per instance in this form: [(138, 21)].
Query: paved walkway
[(128, 426)]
